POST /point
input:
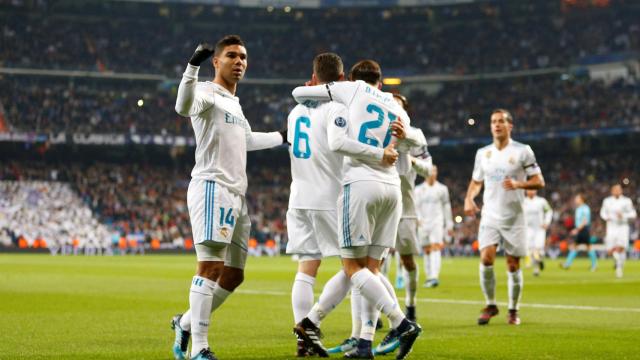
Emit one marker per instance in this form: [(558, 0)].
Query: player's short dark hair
[(328, 67), (506, 113), (403, 100), (227, 40), (367, 71)]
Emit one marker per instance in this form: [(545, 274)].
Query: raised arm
[(189, 101)]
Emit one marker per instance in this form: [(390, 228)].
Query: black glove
[(284, 132), (203, 52)]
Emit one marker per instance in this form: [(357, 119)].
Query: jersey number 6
[(299, 136)]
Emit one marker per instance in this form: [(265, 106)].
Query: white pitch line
[(478, 303)]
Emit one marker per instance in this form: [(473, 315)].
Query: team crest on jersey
[(340, 121), (488, 154), (224, 232), (512, 161)]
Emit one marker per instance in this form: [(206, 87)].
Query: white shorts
[(431, 235), (313, 234), (536, 238), (511, 238), (407, 241), (617, 236), (220, 223), (368, 216)]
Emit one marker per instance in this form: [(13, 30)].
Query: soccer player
[(369, 206), (216, 194), (316, 173), (538, 215), (581, 233), (434, 209), (506, 168), (617, 210)]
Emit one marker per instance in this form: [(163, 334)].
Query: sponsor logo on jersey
[(340, 122), (232, 119)]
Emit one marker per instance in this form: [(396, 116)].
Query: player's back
[(371, 113), (316, 171)]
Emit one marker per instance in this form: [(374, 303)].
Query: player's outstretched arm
[(189, 101), (422, 165), (264, 140), (470, 207), (340, 142)]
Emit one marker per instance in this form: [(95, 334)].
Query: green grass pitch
[(120, 307)]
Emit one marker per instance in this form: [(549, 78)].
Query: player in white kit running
[(538, 216), (436, 220), (617, 210), (369, 207), (506, 168), (216, 194), (316, 173)]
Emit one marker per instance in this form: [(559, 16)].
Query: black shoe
[(411, 313), (487, 313), (379, 324), (541, 265), (303, 350), (205, 354), (311, 335), (407, 337), (389, 344), (362, 351)]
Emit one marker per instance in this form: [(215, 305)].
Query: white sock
[(369, 317), (488, 284), (411, 281), (515, 283), (185, 321), (219, 297), (356, 310), (436, 263), (399, 267), (427, 265), (200, 299), (616, 258), (387, 284), (302, 296), (373, 290), (334, 291), (384, 268), (623, 257)]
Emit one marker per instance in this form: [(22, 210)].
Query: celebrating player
[(434, 209), (617, 210), (216, 194), (316, 173), (369, 206), (538, 215), (505, 167)]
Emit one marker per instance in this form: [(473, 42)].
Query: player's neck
[(501, 143), (431, 182), (229, 86)]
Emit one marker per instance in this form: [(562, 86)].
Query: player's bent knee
[(231, 278)]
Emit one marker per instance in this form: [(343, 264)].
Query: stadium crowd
[(456, 39), (151, 199), (539, 104)]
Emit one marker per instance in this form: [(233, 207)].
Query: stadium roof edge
[(315, 4)]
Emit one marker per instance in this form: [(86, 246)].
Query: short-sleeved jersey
[(493, 166), (370, 113), (316, 171), (583, 215), (617, 211), (537, 212), (433, 205)]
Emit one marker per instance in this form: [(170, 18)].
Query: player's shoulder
[(484, 149), (519, 146)]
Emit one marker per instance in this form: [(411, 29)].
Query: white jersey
[(223, 135), (434, 206), (316, 171), (537, 212), (492, 166), (370, 113), (408, 180), (617, 211)]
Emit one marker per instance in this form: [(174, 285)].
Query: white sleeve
[(340, 142), (548, 212), (529, 163), (261, 140), (342, 92), (630, 211), (448, 213), (478, 172), (604, 211), (414, 136), (189, 101), (423, 166), (403, 165)]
